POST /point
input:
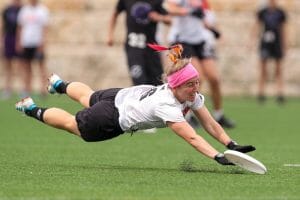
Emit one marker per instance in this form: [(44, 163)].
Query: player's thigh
[(99, 122), (210, 70)]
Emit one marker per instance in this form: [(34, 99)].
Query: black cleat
[(261, 99), (225, 122), (280, 99)]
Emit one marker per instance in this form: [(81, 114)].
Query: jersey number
[(137, 40)]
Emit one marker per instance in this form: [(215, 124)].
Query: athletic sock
[(62, 87), (218, 114), (36, 113)]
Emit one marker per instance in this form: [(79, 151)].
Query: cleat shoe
[(25, 105), (53, 82), (280, 100), (225, 122), (261, 99)]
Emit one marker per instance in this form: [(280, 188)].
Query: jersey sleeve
[(169, 113), (259, 15), (159, 8), (283, 16), (20, 16), (198, 103), (120, 6)]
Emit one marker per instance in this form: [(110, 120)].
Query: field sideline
[(39, 162)]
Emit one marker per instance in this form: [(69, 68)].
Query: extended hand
[(236, 147), (220, 158)]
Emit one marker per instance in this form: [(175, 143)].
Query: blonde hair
[(177, 61), (174, 55)]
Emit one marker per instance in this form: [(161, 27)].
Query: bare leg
[(80, 92), (43, 76), (211, 73), (27, 76), (197, 64), (8, 75), (61, 119), (262, 77), (279, 77)]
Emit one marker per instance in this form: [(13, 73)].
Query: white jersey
[(189, 29), (145, 106), (32, 20)]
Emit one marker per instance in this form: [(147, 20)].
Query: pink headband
[(183, 75)]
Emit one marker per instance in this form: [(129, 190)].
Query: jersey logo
[(140, 11), (148, 93)]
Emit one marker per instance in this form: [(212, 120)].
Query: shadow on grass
[(183, 167)]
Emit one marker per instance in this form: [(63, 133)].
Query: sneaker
[(225, 122), (53, 82), (25, 105)]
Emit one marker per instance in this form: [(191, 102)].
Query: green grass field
[(39, 162)]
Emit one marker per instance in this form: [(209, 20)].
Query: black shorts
[(101, 120), (145, 66), (32, 53), (201, 50), (271, 50)]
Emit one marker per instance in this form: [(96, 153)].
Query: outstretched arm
[(211, 126), (215, 130), (157, 17), (184, 130), (111, 28), (175, 9)]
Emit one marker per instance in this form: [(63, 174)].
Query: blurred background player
[(142, 16), (270, 29), (197, 34), (32, 35), (8, 36)]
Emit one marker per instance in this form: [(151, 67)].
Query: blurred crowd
[(24, 35)]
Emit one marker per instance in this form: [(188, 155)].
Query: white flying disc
[(245, 161)]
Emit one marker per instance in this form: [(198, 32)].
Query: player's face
[(187, 91)]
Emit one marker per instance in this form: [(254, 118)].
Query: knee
[(71, 126)]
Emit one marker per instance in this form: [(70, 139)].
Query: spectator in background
[(32, 33), (193, 28), (270, 27), (142, 16), (9, 29)]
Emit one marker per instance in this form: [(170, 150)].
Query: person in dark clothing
[(9, 31), (270, 26), (142, 16)]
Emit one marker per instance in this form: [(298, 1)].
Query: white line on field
[(291, 165)]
